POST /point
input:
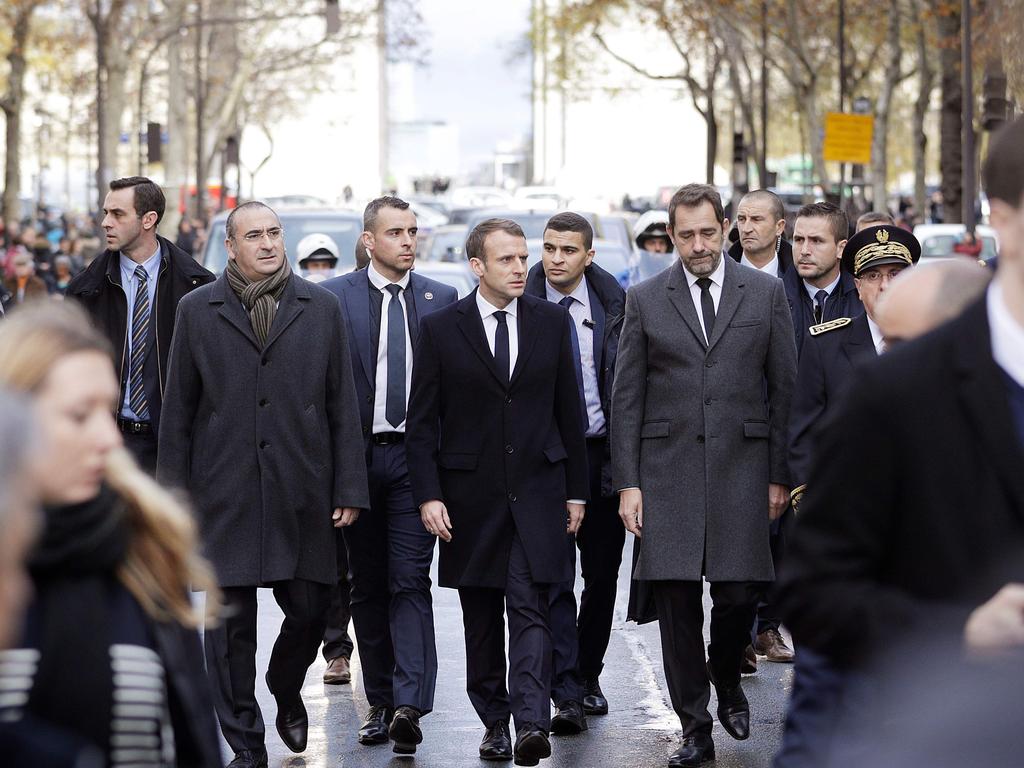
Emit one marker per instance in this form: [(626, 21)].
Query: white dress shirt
[(487, 311), (1007, 334), (876, 336), (812, 291), (580, 312), (380, 397), (717, 278), (772, 267), (130, 285)]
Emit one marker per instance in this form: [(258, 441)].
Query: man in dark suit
[(389, 551), (702, 390), (131, 291), (569, 276), (261, 428), (498, 462), (913, 518)]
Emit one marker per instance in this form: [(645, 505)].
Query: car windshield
[(343, 228), (446, 245)]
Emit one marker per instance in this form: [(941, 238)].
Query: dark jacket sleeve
[(780, 375), (832, 591), (570, 419), (181, 402), (423, 425), (629, 395), (347, 444)]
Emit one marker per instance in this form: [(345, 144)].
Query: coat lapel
[(859, 344), (598, 313), (679, 296), (357, 302), (527, 337), (472, 327), (732, 295), (983, 395), (295, 294), (231, 309)]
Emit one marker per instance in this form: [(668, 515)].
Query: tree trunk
[(880, 138), (815, 133), (711, 152), (926, 81), (176, 154), (11, 105), (950, 122)]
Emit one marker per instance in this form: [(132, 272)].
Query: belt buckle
[(136, 427)]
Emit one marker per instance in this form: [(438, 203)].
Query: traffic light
[(739, 149), (154, 142), (994, 103), (231, 150)]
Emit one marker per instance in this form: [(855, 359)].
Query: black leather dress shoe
[(733, 711), (292, 722), (594, 702), (405, 730), (695, 750), (568, 719), (374, 729), (248, 758), (532, 745), (497, 743)]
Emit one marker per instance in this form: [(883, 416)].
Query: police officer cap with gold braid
[(875, 246)]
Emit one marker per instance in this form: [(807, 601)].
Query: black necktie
[(501, 351), (707, 306), (567, 303), (394, 408), (819, 306)]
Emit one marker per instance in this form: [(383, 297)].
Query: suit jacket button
[(508, 401), (509, 449), (264, 444), (264, 361), (369, 399), (264, 403), (511, 497), (700, 438), (707, 401), (366, 430)]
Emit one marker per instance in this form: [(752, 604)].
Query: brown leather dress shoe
[(749, 664), (338, 671), (771, 645)]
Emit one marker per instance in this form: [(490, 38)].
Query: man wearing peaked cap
[(830, 355)]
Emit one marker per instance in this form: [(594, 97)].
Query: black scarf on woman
[(74, 570)]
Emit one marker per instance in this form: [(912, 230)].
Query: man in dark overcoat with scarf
[(261, 426)]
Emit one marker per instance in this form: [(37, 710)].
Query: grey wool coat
[(702, 430), (266, 441)]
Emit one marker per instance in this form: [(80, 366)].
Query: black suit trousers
[(337, 641), (529, 647), (231, 655), (681, 621)]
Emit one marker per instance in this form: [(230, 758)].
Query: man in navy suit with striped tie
[(131, 291)]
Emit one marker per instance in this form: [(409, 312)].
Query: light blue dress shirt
[(130, 285)]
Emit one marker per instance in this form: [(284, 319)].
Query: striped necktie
[(140, 333)]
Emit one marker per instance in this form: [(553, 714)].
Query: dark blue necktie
[(394, 408), (819, 306), (140, 333), (567, 303), (501, 348)]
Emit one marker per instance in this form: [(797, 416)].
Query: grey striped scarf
[(259, 298)]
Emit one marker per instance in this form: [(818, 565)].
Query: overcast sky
[(469, 80)]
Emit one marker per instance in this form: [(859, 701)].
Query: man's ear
[(368, 241), (149, 220)]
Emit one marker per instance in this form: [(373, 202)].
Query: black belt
[(134, 427), (388, 438)]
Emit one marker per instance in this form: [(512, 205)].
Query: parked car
[(343, 226), (459, 276), (445, 244), (937, 240)]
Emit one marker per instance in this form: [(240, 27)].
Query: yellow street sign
[(848, 137)]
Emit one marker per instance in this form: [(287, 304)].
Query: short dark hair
[(873, 217), (766, 195), (567, 221), (147, 195), (475, 241), (1003, 171), (691, 196), (837, 221), (229, 227), (374, 206)]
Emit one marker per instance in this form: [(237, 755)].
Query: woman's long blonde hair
[(163, 563)]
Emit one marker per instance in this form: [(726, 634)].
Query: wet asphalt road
[(640, 730)]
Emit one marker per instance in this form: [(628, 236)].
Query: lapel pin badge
[(428, 296)]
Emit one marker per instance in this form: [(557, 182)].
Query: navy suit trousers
[(389, 553)]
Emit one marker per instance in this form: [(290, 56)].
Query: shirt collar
[(772, 267), (717, 277), (487, 309), (1007, 334), (581, 294), (876, 333), (811, 290), (151, 265), (378, 281)]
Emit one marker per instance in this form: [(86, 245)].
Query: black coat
[(609, 311), (917, 502), (823, 375), (266, 440), (98, 289), (503, 458), (844, 302)]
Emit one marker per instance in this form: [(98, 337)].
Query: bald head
[(925, 297)]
